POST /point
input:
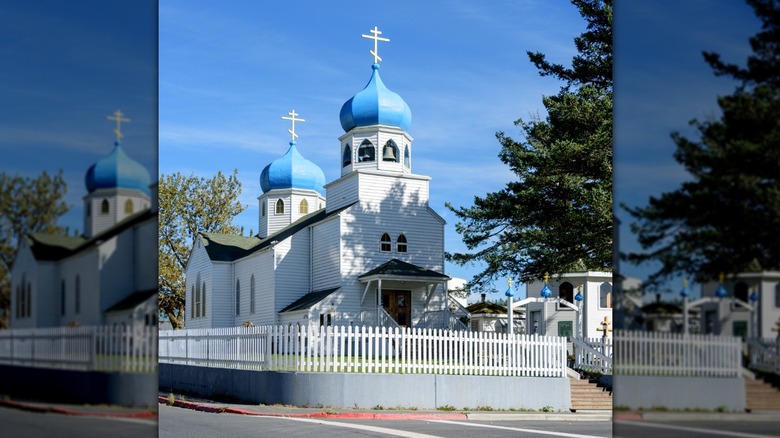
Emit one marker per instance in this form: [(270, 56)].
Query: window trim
[(385, 242), (399, 244), (279, 206)]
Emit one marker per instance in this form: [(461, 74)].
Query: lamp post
[(578, 327), (510, 326), (684, 295)]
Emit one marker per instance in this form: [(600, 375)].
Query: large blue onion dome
[(117, 170), (375, 105), (292, 171)]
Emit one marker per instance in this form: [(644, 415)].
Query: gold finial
[(293, 120), (376, 39), (721, 277), (509, 281), (546, 277), (119, 119), (685, 282), (579, 288)]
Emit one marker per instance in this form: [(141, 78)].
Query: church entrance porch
[(398, 304)]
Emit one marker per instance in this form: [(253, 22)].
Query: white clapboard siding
[(292, 269), (261, 265), (198, 269), (677, 354), (366, 349), (87, 348), (325, 258), (342, 192)]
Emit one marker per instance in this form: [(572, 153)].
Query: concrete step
[(586, 396), (760, 395)]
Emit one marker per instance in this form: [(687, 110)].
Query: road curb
[(479, 416), (56, 410)]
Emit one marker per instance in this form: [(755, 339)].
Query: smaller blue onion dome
[(720, 292), (754, 297), (683, 293), (117, 170), (375, 105), (578, 297), (292, 171), (546, 292)]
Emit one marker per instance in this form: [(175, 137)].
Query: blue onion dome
[(292, 171), (375, 105), (117, 170)]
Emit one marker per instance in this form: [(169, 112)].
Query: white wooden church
[(106, 276), (364, 249)]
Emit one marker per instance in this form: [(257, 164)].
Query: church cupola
[(292, 187), (117, 186), (376, 121)]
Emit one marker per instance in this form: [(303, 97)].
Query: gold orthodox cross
[(376, 39), (292, 119), (605, 327), (509, 282), (119, 119), (546, 277)]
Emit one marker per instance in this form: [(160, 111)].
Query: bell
[(389, 154)]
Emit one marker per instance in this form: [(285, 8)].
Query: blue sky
[(661, 83), (229, 72), (66, 67)]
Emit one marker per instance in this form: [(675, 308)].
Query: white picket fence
[(366, 349), (677, 354), (593, 354), (87, 348), (765, 354)]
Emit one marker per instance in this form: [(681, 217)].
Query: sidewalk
[(659, 416), (204, 405), (82, 410)]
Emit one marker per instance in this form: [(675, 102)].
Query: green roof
[(398, 268), (487, 307), (229, 247), (57, 246), (309, 300)]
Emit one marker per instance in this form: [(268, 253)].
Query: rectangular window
[(740, 329), (777, 296), (565, 329)]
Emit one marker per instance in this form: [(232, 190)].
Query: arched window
[(192, 302), (203, 298), (128, 206), (346, 159), (263, 209), (29, 299), (390, 152), (401, 243), (238, 298), (104, 206), (62, 298), (77, 296), (197, 301), (280, 207), (407, 158), (741, 291), (18, 302), (385, 242), (303, 208), (366, 152), (252, 295), (605, 295), (566, 291)]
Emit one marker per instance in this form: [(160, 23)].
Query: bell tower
[(375, 122)]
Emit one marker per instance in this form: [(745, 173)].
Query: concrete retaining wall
[(68, 386), (424, 391), (679, 392)]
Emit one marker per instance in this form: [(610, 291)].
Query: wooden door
[(398, 304)]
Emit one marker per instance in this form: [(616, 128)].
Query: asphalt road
[(697, 429), (177, 422), (19, 423)]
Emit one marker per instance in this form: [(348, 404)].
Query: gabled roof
[(399, 269), (309, 300), (487, 307), (132, 301), (52, 247), (229, 247)]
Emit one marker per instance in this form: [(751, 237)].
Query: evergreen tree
[(727, 218), (557, 216), (27, 205), (188, 205)]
